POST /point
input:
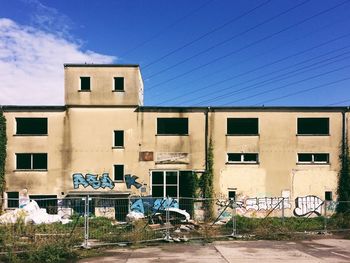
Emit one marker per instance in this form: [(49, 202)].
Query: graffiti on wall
[(149, 204), (259, 203), (131, 180), (92, 180), (307, 205)]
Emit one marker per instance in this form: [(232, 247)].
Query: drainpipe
[(344, 137), (206, 137)]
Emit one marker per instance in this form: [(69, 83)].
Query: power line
[(306, 90), (278, 78), (267, 82), (228, 39), (249, 45), (206, 34), (338, 102), (290, 84), (264, 66), (160, 32)]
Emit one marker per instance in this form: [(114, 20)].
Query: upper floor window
[(118, 84), (85, 84), (242, 126), (119, 139), (31, 126), (313, 158), (31, 161), (172, 126), (313, 126), (252, 158)]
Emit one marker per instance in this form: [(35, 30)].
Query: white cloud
[(31, 64)]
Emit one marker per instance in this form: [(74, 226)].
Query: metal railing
[(92, 221)]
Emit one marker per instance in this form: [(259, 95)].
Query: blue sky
[(210, 52)]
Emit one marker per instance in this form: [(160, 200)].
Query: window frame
[(114, 170), (114, 140), (31, 134), (114, 86), (80, 84), (312, 134), (172, 134), (313, 162), (164, 184), (12, 200), (31, 169), (242, 161), (242, 134)]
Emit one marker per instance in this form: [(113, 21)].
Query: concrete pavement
[(321, 250)]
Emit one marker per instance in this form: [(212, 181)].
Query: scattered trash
[(133, 216)]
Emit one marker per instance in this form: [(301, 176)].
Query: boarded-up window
[(118, 84), (118, 138), (242, 126), (31, 161), (118, 172), (172, 126), (85, 84), (313, 126), (31, 126)]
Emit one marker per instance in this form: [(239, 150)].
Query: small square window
[(118, 84), (118, 172), (119, 139), (328, 196), (232, 195), (85, 84)]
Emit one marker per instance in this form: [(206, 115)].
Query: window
[(165, 184), (242, 126), (232, 195), (313, 126), (172, 126), (85, 84), (49, 202), (328, 196), (313, 158), (31, 126), (118, 84), (12, 199), (242, 158), (31, 161), (119, 172), (119, 139)]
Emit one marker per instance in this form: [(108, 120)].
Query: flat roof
[(101, 65)]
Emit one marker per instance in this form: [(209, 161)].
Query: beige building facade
[(104, 142)]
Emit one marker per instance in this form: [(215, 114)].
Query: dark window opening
[(118, 138), (85, 83), (49, 202), (242, 126), (328, 196), (232, 195), (119, 172), (31, 126), (31, 161), (242, 157), (313, 158), (165, 184), (12, 199), (176, 126), (313, 126), (119, 84)]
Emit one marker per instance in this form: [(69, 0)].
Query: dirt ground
[(320, 250)]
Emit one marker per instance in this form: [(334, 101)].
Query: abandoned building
[(104, 142)]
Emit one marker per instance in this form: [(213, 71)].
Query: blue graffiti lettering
[(131, 180), (149, 204), (92, 180), (78, 179)]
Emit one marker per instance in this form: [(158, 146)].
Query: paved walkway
[(324, 250)]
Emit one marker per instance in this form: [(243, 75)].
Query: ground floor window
[(12, 199), (49, 202), (165, 184)]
